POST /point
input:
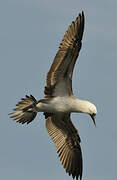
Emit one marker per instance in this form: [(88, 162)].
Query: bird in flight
[(59, 102)]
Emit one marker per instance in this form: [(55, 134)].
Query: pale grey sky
[(30, 33)]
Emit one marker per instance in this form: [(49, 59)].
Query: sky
[(30, 34)]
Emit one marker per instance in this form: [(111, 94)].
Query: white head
[(92, 108), (88, 108)]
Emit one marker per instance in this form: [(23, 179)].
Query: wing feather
[(60, 73), (24, 112), (67, 142)]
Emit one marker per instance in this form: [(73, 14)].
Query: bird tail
[(25, 112)]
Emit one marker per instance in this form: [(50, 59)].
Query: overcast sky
[(30, 33)]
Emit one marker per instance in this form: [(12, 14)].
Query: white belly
[(57, 104)]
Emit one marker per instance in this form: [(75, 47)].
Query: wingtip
[(82, 13), (82, 17)]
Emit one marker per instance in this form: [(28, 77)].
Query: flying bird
[(59, 102)]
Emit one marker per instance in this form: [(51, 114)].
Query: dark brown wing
[(67, 142), (60, 73)]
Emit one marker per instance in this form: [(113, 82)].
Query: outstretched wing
[(67, 142), (59, 77)]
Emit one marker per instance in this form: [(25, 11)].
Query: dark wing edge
[(64, 61), (67, 142)]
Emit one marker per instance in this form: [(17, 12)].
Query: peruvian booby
[(59, 102)]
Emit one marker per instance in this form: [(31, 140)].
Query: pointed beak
[(93, 116)]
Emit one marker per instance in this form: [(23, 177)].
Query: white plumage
[(59, 102)]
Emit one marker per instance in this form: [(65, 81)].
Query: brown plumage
[(67, 142), (23, 113), (59, 84), (64, 61), (62, 131)]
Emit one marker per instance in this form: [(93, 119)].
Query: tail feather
[(25, 110)]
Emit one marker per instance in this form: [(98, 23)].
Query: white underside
[(60, 104), (66, 104), (57, 104)]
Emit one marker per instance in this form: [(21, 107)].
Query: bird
[(59, 102)]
